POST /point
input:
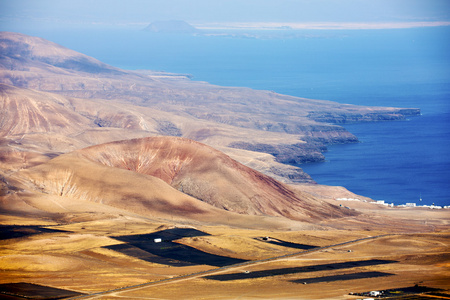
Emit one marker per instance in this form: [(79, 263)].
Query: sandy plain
[(83, 257)]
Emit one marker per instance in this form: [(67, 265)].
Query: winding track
[(221, 269)]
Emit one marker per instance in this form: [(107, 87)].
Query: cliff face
[(341, 118), (119, 104)]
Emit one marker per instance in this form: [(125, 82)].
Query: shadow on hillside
[(351, 276), (160, 247), (25, 290), (17, 231), (294, 270), (282, 243)]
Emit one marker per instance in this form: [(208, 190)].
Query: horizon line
[(315, 25)]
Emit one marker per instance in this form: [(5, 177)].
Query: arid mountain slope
[(71, 189), (209, 175), (26, 53), (161, 177), (248, 115), (30, 112), (48, 124)]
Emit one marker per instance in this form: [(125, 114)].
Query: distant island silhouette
[(173, 26)]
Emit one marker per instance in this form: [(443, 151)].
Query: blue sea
[(398, 162)]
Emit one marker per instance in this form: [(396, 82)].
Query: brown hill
[(72, 189), (198, 183), (209, 175)]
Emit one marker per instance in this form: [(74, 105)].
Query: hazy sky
[(197, 11)]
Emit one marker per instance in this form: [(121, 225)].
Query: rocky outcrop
[(347, 117), (290, 175), (289, 154), (166, 127)]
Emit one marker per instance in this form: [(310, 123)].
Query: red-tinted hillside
[(209, 175)]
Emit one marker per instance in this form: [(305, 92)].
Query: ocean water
[(398, 162)]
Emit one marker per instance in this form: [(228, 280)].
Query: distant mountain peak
[(173, 26)]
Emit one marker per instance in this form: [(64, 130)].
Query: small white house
[(157, 240), (375, 293)]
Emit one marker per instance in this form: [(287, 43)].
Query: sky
[(94, 12)]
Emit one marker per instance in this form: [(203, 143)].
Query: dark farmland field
[(351, 276), (17, 231), (168, 251), (285, 244), (294, 270), (23, 290)]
